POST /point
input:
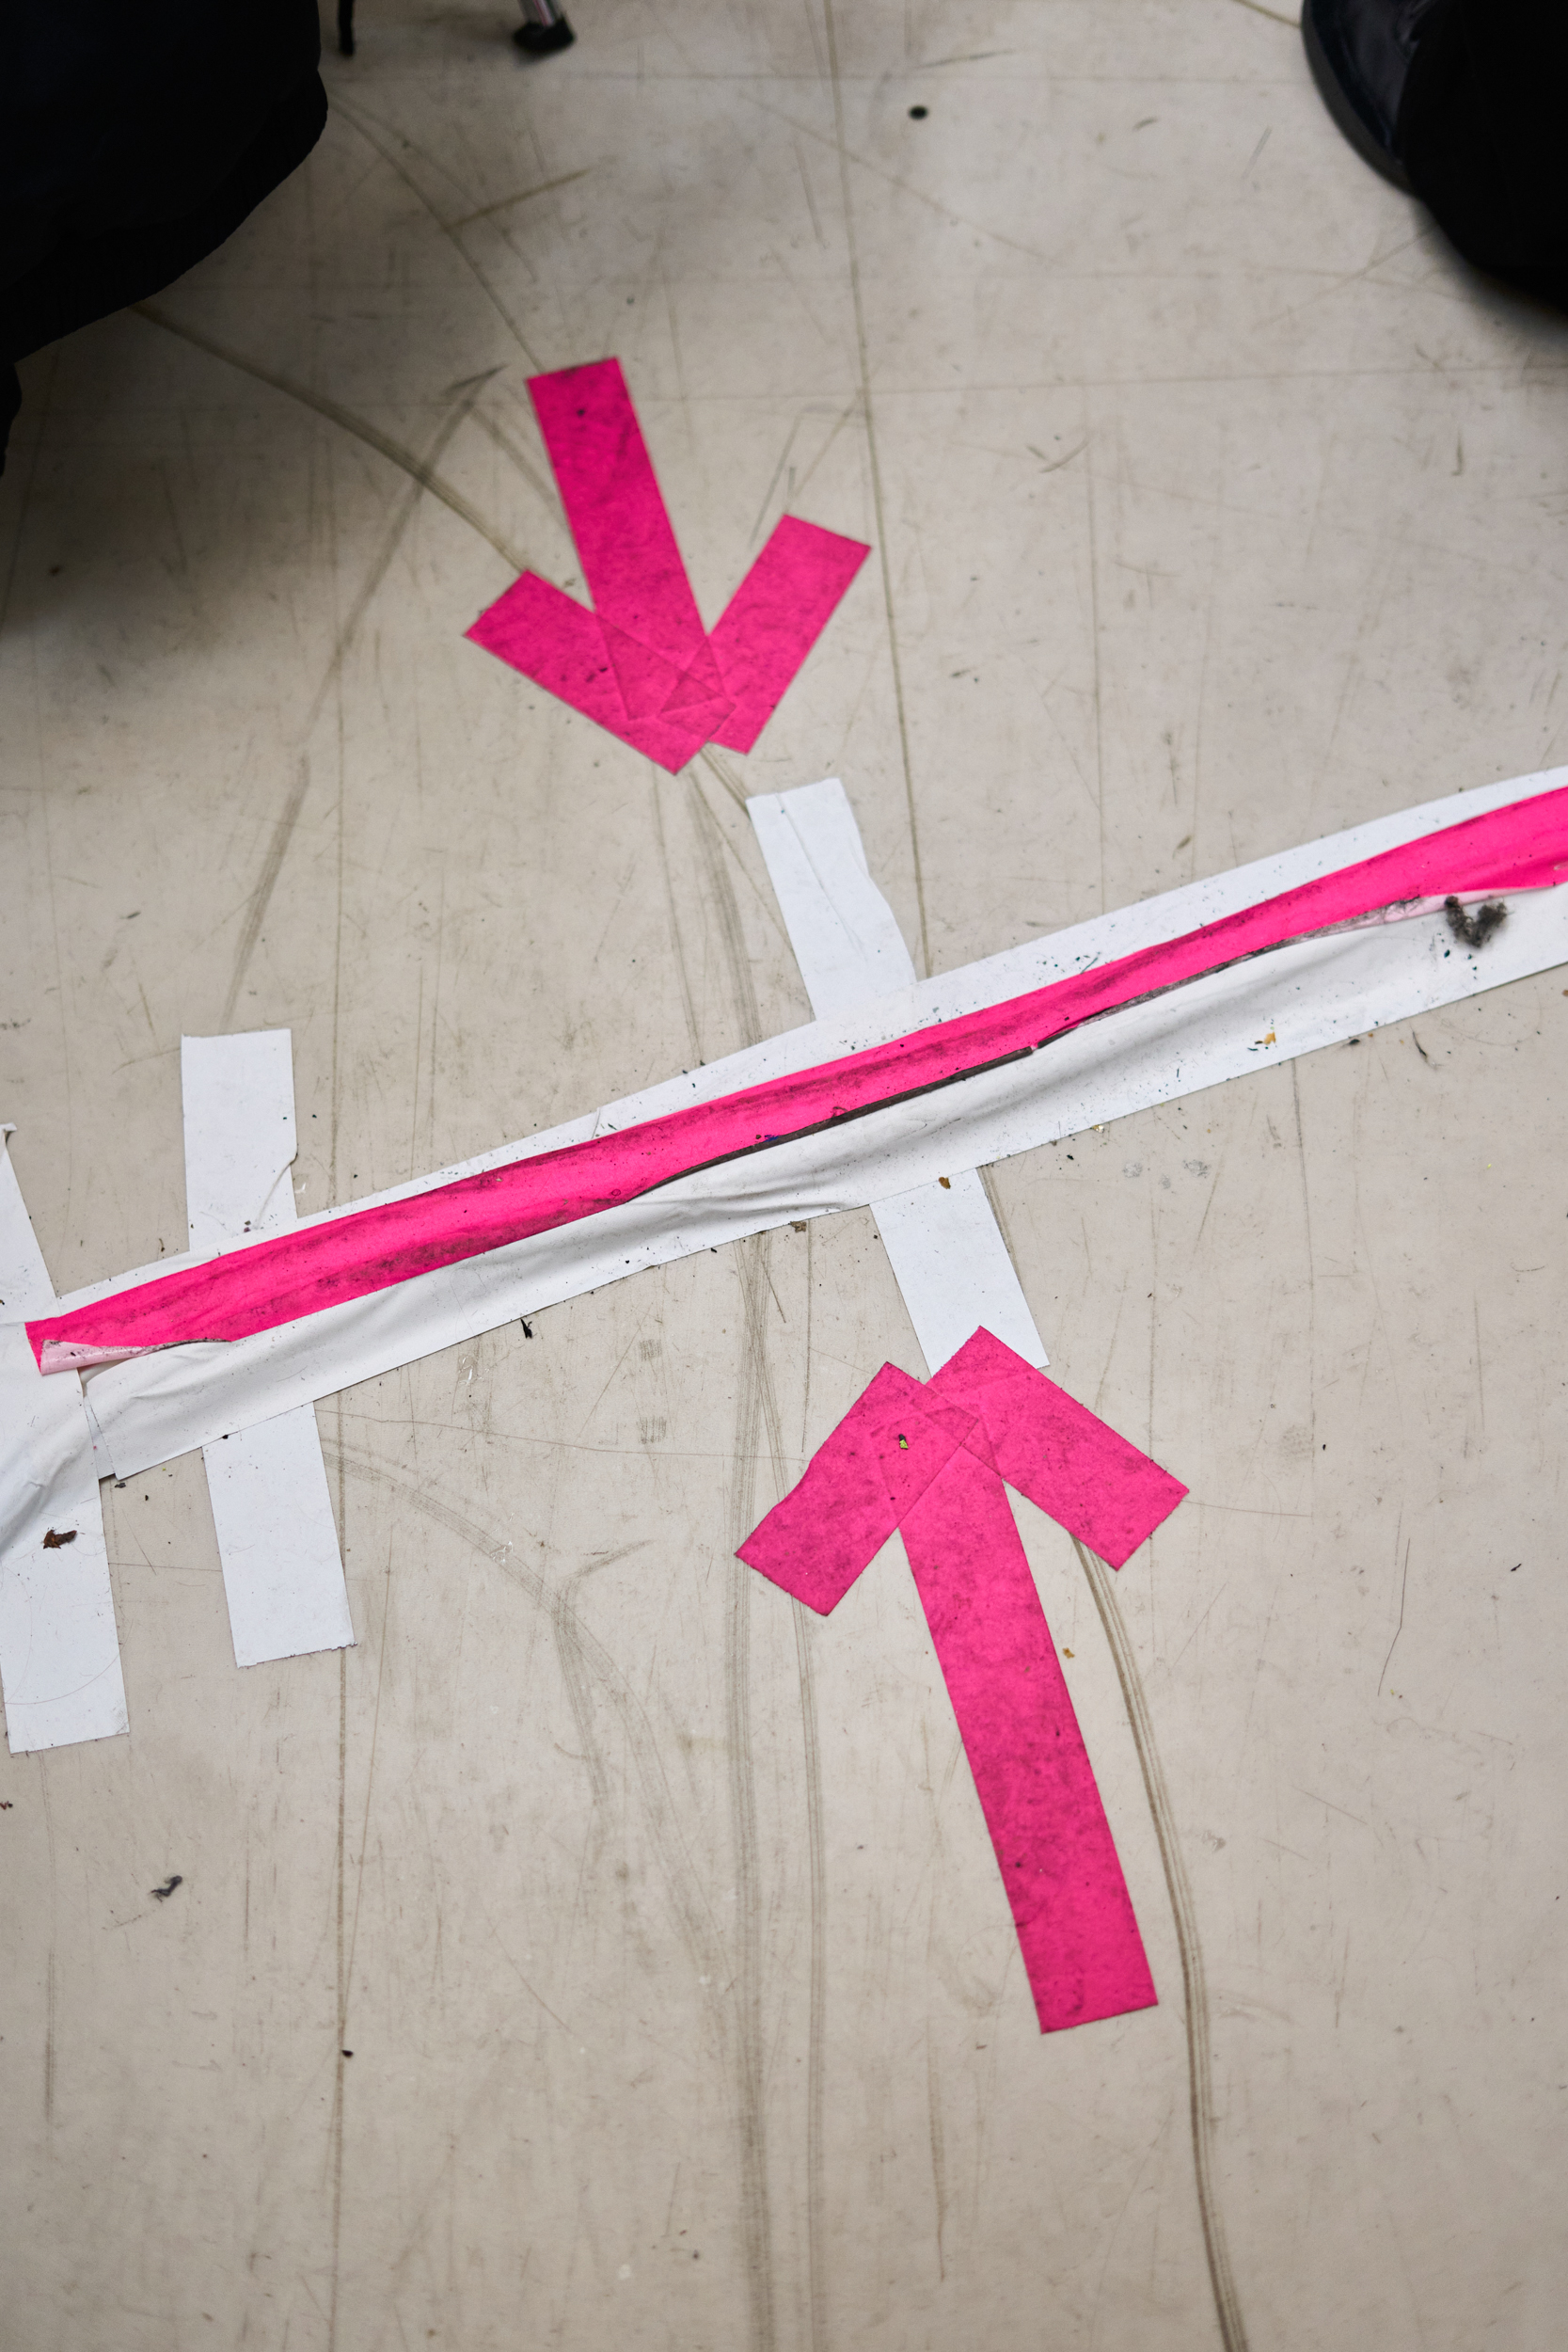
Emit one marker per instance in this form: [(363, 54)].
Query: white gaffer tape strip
[(282, 1568), (1249, 1015), (59, 1652), (943, 1240)]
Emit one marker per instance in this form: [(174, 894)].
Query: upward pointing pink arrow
[(641, 663), (930, 1462)]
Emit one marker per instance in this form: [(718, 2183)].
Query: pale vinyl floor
[(1215, 506)]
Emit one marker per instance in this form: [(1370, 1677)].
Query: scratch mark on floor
[(1311, 1265), (939, 2146), (283, 833), (755, 2219), (367, 129), (1228, 2309), (524, 196), (1099, 709), (544, 490), (666, 1840), (877, 506), (1404, 1578), (266, 882), (817, 2018), (336, 414), (335, 2137)]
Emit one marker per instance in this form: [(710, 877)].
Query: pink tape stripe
[(1076, 1929), (775, 617), (931, 1461), (1524, 846), (618, 516)]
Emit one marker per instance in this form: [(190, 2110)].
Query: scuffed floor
[(1213, 506)]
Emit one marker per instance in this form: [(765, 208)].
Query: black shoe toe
[(1360, 52)]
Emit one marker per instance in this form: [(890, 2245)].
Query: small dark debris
[(946, 1183), (57, 1542), (918, 114), (1353, 1040), (348, 2054), (797, 1224), (527, 1327), (1515, 1569), (1474, 930), (5, 1805), (162, 1894)]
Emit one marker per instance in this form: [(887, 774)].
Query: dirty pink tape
[(940, 1483), (642, 665), (1065, 1458), (1076, 1929), (538, 630), (1524, 846), (618, 516), (775, 617)]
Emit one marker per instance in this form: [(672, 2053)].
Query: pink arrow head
[(856, 1487), (641, 664), (1054, 1449)]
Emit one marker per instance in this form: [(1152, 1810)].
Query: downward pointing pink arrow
[(932, 1462), (641, 663)]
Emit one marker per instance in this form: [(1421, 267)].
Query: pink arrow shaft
[(617, 513), (1523, 845), (1076, 1931), (775, 617)]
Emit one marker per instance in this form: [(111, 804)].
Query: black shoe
[(1360, 53), (544, 30)]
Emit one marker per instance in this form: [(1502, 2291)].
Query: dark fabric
[(88, 274), (134, 139), (1479, 134)]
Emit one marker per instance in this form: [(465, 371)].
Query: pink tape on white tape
[(932, 1462), (1522, 846), (641, 664)]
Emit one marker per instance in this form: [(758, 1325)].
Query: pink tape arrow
[(641, 663), (932, 1462)]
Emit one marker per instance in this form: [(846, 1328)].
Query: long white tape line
[(277, 1542), (59, 1652), (943, 1240), (1265, 1009)]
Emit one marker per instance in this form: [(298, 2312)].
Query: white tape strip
[(1519, 950), (943, 1240), (282, 1570), (59, 1652), (846, 936), (1265, 1009)]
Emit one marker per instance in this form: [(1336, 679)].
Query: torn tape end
[(76, 1356)]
